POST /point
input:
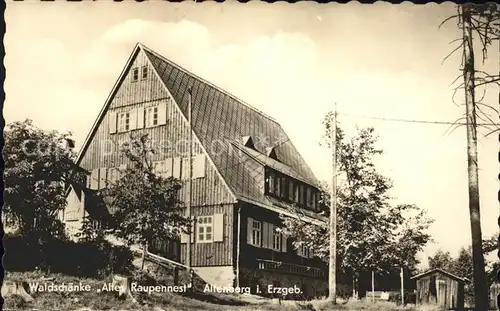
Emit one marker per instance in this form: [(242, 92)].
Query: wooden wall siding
[(104, 150), (74, 210), (249, 253), (450, 295), (131, 93), (216, 253)]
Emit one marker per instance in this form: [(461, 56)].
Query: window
[(277, 240), (290, 190), (204, 228), (303, 251), (284, 189), (296, 191), (277, 186), (151, 116), (302, 195), (144, 73), (123, 122), (309, 197), (270, 183), (314, 200), (256, 233), (135, 74)]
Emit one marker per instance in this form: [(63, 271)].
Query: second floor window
[(205, 229), (309, 197), (144, 73), (290, 190), (270, 183), (151, 116), (123, 122)]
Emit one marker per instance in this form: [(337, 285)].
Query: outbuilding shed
[(441, 288)]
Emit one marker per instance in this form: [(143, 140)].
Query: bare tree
[(483, 21)]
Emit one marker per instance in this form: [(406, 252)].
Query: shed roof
[(441, 271)]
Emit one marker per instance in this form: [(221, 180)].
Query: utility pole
[(188, 208), (332, 288), (373, 285), (402, 287), (480, 282)]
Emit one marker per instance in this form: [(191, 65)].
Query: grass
[(93, 301)]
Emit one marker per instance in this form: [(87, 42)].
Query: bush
[(21, 254), (87, 259)]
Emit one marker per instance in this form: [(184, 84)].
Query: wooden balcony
[(288, 268)]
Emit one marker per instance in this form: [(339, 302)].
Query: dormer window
[(271, 152), (248, 142), (289, 189), (135, 74)]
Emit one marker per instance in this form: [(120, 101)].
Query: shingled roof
[(220, 117)]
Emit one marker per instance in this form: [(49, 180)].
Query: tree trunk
[(480, 288), (355, 288)]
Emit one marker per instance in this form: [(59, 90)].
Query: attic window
[(135, 74), (144, 72), (271, 152), (248, 142)]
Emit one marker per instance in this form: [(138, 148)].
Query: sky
[(291, 61)]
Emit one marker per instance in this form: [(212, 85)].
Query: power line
[(412, 121)]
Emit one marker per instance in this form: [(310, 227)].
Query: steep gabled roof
[(219, 118), (441, 271)]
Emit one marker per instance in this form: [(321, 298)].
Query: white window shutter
[(218, 229), (140, 117), (162, 113), (249, 230), (283, 243), (184, 169), (94, 179), (265, 235), (168, 167), (199, 166), (271, 235), (177, 168), (102, 177), (148, 117), (112, 122), (133, 119), (184, 237)]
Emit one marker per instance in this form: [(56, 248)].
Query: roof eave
[(282, 211), (105, 107)]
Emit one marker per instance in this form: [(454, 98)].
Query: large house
[(246, 173)]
